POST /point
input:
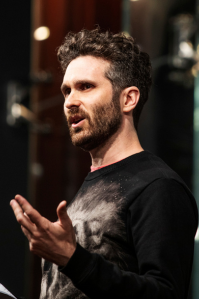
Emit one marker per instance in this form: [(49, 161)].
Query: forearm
[(98, 278), (161, 227)]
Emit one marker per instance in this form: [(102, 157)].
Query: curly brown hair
[(129, 66)]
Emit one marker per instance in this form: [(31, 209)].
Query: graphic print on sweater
[(95, 214)]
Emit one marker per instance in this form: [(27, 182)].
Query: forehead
[(86, 67)]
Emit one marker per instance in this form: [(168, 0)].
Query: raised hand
[(53, 241)]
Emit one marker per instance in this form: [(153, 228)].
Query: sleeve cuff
[(80, 264)]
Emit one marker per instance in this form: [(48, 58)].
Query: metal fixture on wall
[(182, 58), (182, 30), (17, 112)]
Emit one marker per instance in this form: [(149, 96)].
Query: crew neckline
[(113, 166), (93, 168)]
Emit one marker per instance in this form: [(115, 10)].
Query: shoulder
[(165, 198), (147, 167)]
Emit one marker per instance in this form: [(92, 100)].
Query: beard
[(105, 121)]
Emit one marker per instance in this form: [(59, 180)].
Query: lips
[(73, 120)]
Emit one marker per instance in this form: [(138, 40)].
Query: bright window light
[(196, 126), (42, 33), (197, 236), (126, 33)]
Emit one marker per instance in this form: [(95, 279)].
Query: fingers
[(62, 213), (26, 233), (32, 214), (19, 214)]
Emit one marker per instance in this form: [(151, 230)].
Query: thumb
[(62, 213)]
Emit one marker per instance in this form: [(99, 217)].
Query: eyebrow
[(65, 86)]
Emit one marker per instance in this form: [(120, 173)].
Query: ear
[(130, 98)]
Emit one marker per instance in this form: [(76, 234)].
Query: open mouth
[(75, 120)]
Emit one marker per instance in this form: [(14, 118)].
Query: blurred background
[(37, 159)]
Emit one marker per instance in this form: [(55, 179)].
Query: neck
[(121, 145)]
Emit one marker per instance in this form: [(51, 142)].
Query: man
[(129, 232)]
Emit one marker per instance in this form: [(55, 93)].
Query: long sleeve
[(161, 225)]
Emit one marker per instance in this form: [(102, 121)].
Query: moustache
[(77, 111)]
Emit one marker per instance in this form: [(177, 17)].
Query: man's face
[(92, 109)]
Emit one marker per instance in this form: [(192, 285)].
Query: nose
[(71, 101)]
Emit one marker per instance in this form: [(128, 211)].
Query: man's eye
[(67, 91), (86, 86)]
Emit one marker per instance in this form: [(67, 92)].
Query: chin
[(89, 143), (84, 145)]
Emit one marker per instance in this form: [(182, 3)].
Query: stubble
[(101, 125)]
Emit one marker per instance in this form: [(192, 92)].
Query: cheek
[(64, 107), (65, 111)]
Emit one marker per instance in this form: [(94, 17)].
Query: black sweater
[(135, 223)]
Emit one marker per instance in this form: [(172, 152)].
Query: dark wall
[(166, 126), (14, 65)]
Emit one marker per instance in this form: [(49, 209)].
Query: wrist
[(63, 261)]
